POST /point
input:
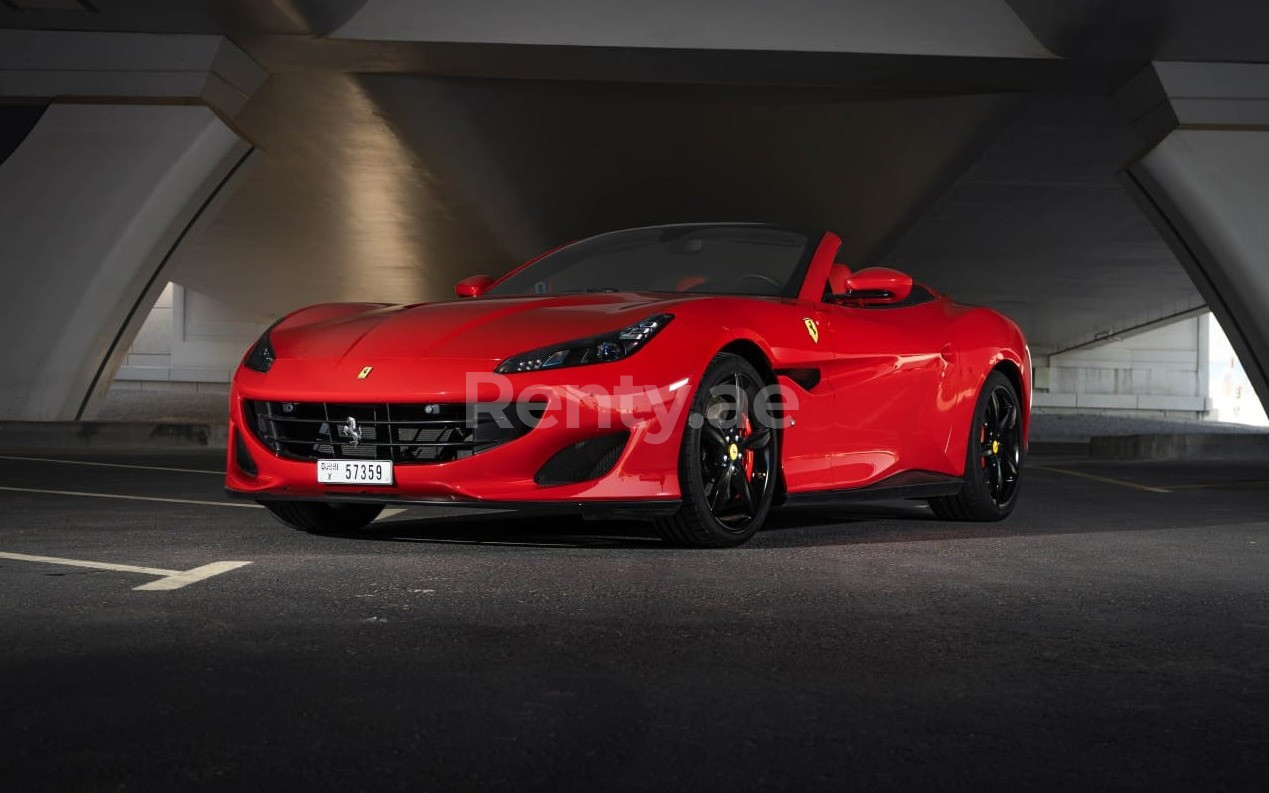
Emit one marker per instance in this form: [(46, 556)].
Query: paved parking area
[(1113, 633)]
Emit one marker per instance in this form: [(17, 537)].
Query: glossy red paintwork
[(895, 391)]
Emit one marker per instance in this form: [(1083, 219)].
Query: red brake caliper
[(746, 429)]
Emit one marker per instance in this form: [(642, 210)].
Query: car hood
[(481, 328)]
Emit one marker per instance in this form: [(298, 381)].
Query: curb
[(1064, 446), (1213, 446), (43, 436)]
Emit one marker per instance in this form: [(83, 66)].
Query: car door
[(887, 374), (803, 354)]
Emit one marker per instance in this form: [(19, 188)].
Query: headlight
[(581, 352), (261, 356)]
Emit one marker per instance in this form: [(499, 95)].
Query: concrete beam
[(1169, 95), (966, 28), (43, 64)]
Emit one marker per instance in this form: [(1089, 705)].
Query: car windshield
[(729, 260)]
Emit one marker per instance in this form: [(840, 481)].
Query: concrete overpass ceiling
[(337, 208), (546, 162), (226, 17), (1040, 228), (1137, 31), (361, 196), (924, 44), (16, 122), (982, 28), (919, 74), (289, 36)]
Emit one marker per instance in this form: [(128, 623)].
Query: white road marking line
[(132, 498), (114, 465), (122, 568), (190, 576), (1104, 479), (168, 579)]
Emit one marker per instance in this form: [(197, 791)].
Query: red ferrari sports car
[(696, 375)]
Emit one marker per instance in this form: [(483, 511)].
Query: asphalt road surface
[(1114, 633)]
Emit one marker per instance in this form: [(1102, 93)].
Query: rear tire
[(323, 517), (993, 461), (728, 462)]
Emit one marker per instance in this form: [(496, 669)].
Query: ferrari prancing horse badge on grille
[(364, 373), (813, 328)]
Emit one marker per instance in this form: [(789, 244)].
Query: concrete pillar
[(91, 205), (1203, 179), (98, 196)]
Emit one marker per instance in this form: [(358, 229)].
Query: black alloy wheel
[(993, 464), (1000, 444), (728, 462)]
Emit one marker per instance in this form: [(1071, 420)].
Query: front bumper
[(643, 481), (597, 509)]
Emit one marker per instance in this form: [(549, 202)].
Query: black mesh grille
[(583, 461), (400, 432)]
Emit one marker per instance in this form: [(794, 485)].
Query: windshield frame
[(792, 288)]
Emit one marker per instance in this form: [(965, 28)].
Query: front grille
[(400, 432)]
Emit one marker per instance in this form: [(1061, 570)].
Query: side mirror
[(877, 285), (475, 286)]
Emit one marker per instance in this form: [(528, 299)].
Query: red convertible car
[(696, 375)]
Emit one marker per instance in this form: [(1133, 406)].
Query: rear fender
[(986, 341)]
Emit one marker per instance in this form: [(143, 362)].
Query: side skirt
[(908, 484)]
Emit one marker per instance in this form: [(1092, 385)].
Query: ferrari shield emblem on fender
[(813, 328), (364, 373)]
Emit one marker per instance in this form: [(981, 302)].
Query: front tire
[(728, 462), (993, 461), (322, 517)]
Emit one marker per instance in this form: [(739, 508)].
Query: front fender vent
[(583, 461)]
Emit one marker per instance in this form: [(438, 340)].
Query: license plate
[(354, 472)]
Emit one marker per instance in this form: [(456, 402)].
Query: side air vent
[(243, 457), (806, 379), (583, 461)]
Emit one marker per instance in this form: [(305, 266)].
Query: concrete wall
[(1159, 373), (191, 338), (151, 350), (181, 362)]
